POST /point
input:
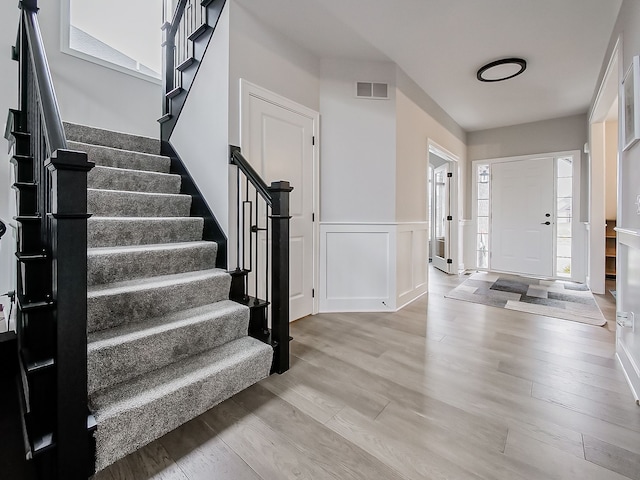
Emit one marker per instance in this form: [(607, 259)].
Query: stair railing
[(51, 200), (263, 211), (184, 43), (172, 55)]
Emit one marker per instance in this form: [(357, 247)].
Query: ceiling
[(441, 44)]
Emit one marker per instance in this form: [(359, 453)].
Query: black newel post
[(68, 230), (280, 273)]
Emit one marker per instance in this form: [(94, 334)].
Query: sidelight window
[(482, 233), (564, 215)]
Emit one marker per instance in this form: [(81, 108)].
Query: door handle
[(3, 228), (545, 223)]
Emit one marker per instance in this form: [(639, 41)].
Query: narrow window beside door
[(482, 246), (564, 196)]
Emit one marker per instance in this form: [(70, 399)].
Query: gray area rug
[(551, 298)]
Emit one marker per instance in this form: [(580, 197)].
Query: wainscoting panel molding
[(371, 267), (412, 262)]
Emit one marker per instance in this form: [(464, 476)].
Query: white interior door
[(522, 216), (441, 225), (280, 147)]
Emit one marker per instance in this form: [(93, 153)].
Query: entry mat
[(551, 298)]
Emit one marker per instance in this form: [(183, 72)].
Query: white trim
[(609, 89), (623, 364), (374, 223), (362, 291), (606, 78), (418, 259), (248, 89), (65, 11), (564, 153), (377, 247), (454, 247), (628, 231)]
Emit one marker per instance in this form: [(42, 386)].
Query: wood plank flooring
[(443, 389)]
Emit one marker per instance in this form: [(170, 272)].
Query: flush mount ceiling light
[(503, 69)]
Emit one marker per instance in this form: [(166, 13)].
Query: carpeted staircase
[(165, 343)]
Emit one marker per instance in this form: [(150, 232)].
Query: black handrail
[(275, 255), (177, 17), (54, 131), (237, 159)]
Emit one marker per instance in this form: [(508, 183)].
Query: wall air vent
[(373, 90)]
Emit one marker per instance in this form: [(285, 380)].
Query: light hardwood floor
[(442, 389)]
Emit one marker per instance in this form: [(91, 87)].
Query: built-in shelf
[(610, 248)]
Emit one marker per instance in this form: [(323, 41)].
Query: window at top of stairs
[(121, 34)]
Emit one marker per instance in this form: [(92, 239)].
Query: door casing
[(248, 90), (454, 168)]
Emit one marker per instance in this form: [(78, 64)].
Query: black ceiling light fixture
[(502, 69)]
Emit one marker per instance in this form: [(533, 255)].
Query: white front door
[(522, 216), (441, 229), (280, 145)]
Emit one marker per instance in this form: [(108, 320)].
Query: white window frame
[(65, 26)]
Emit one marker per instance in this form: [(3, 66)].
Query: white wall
[(627, 28), (89, 93), (556, 135), (204, 118), (358, 144), (357, 189), (414, 129), (266, 58)]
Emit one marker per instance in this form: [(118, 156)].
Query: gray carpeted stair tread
[(111, 178), (117, 158), (165, 343), (109, 138), (116, 203), (114, 354), (136, 412), (115, 264), (131, 301), (115, 231)]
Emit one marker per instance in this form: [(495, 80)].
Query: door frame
[(608, 90), (248, 90), (454, 161), (578, 235)]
